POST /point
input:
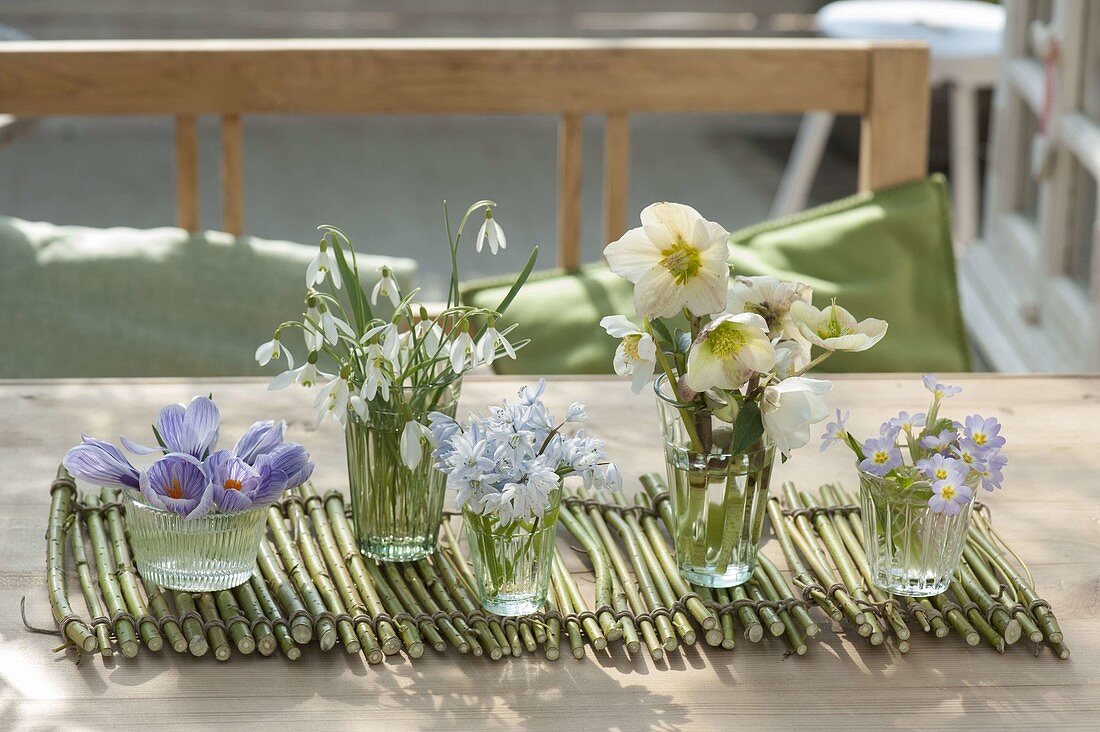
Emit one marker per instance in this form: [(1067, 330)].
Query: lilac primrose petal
[(260, 438), (177, 482), (101, 463)]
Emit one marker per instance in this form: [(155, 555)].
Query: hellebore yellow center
[(175, 490), (682, 260), (630, 345), (948, 492), (726, 340), (831, 328), (232, 484)]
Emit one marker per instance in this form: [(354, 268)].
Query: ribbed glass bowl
[(214, 552)]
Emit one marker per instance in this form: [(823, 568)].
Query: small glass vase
[(512, 561), (396, 511), (719, 499), (214, 552), (912, 551)]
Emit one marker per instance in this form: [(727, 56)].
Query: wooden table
[(1048, 512)]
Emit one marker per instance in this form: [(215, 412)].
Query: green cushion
[(885, 255), (82, 302)]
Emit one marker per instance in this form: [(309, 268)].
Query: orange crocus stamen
[(175, 490), (232, 484)]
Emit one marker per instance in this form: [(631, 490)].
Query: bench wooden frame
[(886, 84)]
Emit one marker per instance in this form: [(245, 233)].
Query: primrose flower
[(386, 286), (727, 351), (836, 430), (984, 432), (906, 422), (100, 463), (177, 482), (636, 353), (966, 452), (192, 429), (940, 442), (790, 407), (322, 264), (770, 298), (990, 471), (940, 391), (491, 232), (835, 329), (882, 456), (949, 495), (940, 467), (675, 259)]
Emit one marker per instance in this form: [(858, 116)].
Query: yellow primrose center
[(682, 260), (941, 474), (832, 327), (175, 490), (725, 340), (232, 484), (630, 346), (979, 439), (881, 457), (948, 492)]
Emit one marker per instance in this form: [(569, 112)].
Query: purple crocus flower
[(192, 429), (234, 482), (984, 432), (178, 483), (882, 454), (287, 466), (260, 438), (101, 463)]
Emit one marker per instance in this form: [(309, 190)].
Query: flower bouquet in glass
[(507, 469), (386, 376), (732, 354), (916, 512), (196, 515)]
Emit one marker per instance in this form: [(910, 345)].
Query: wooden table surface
[(1048, 512)]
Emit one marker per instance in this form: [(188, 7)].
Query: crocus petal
[(101, 463), (203, 418), (138, 449)]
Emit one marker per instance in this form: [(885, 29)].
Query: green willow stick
[(750, 621), (310, 554), (428, 630), (357, 568), (987, 631), (301, 627), (339, 576), (565, 605), (714, 636), (158, 603), (250, 607), (209, 612), (771, 593), (626, 595), (601, 567), (798, 569), (527, 635), (61, 501), (511, 632), (552, 648), (234, 619), (1007, 627), (646, 587), (937, 624), (569, 586), (466, 574), (768, 616), (958, 621), (467, 604), (664, 591), (87, 584), (191, 626), (992, 586), (472, 629), (798, 612), (125, 632), (448, 629), (327, 632), (127, 575), (410, 634), (271, 609), (725, 619)]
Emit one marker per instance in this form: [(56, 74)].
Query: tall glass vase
[(719, 498), (911, 550), (396, 510)]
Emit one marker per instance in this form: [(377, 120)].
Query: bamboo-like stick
[(469, 605), (1006, 626), (725, 619), (125, 632), (410, 634), (798, 569), (937, 624), (429, 605), (992, 586), (565, 606), (234, 619), (326, 630), (848, 574), (601, 568), (357, 568), (646, 585), (987, 631), (127, 575), (338, 576), (527, 635), (250, 607), (750, 621), (301, 627), (75, 631), (957, 619), (87, 584), (209, 612), (427, 629), (352, 637), (569, 587), (466, 575), (626, 584), (158, 604), (768, 616), (271, 609), (1043, 614), (799, 613), (191, 626), (511, 632), (473, 630), (714, 636), (552, 648)]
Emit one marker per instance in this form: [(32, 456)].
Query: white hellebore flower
[(491, 232), (728, 350), (387, 286), (790, 407), (487, 346), (791, 357), (769, 297), (413, 439), (321, 264), (835, 329), (675, 259), (637, 352), (272, 349), (463, 351)]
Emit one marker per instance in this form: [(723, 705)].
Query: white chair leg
[(798, 177), (964, 163)]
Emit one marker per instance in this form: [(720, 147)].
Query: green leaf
[(661, 329), (683, 341), (748, 428), (360, 305), (520, 281)]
